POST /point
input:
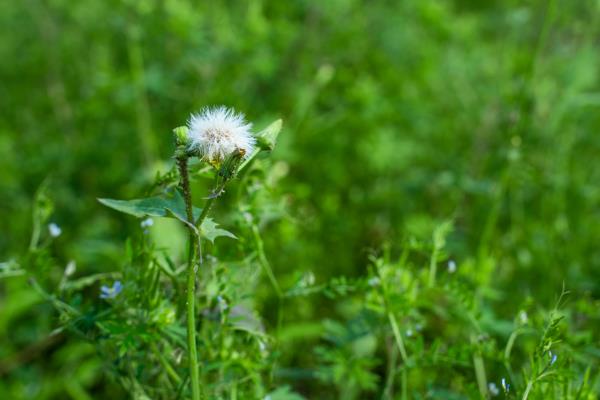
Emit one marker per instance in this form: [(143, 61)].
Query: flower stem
[(205, 211), (191, 281), (264, 262)]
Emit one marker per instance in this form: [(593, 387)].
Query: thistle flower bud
[(181, 136), (268, 137)]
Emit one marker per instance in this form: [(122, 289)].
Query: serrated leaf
[(157, 206), (209, 230)]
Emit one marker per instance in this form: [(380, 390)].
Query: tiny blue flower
[(505, 385), (553, 357), (107, 292)]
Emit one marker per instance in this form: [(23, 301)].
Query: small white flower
[(70, 268), (494, 391), (222, 303), (215, 133), (374, 281), (451, 266), (262, 346), (523, 317), (409, 332), (308, 279), (54, 230), (147, 223)]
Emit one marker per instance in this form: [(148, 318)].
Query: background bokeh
[(398, 115)]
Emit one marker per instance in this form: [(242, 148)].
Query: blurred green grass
[(397, 116)]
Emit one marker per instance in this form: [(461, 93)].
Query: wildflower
[(54, 230), (262, 346), (374, 281), (148, 222), (308, 279), (523, 317), (70, 268), (215, 133), (494, 391), (553, 357), (222, 303), (409, 332), (451, 266), (107, 292), (505, 385)]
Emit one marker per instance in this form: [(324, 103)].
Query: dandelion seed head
[(54, 230), (215, 133)]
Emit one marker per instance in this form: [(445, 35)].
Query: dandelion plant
[(222, 139)]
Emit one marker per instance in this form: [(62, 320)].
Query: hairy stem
[(198, 224), (191, 281)]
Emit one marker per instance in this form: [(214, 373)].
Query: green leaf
[(152, 206), (284, 393), (209, 230)]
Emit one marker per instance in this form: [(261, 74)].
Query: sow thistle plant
[(221, 139), (181, 324)]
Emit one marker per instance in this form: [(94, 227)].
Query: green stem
[(165, 364), (528, 389), (198, 224), (433, 266), (264, 262), (391, 372), (480, 375), (191, 282), (398, 336)]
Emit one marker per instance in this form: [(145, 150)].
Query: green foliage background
[(398, 116)]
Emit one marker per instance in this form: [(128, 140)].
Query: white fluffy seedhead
[(215, 133)]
